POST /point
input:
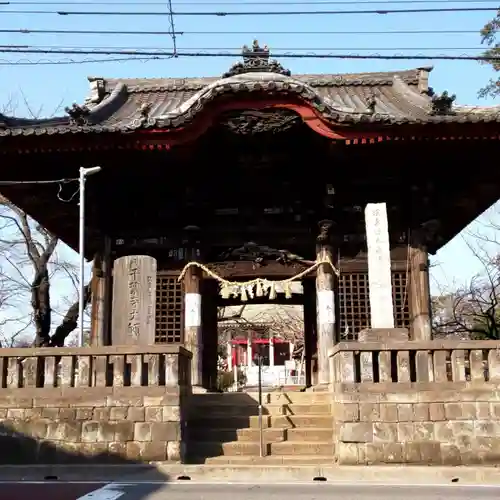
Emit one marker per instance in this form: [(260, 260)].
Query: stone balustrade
[(116, 366), (433, 402), (431, 361), (119, 404)]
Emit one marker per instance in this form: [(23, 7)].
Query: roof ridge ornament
[(256, 60), (78, 114), (441, 105)]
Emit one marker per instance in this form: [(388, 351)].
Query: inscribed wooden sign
[(379, 266), (134, 300)]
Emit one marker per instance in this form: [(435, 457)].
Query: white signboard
[(192, 310), (379, 266)]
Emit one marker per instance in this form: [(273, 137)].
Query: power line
[(67, 62), (444, 57), (283, 49), (52, 181), (256, 13), (172, 24), (27, 31), (251, 2)]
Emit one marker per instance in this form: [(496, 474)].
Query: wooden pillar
[(210, 341), (325, 297), (310, 337), (192, 323), (193, 305), (100, 334), (419, 290)]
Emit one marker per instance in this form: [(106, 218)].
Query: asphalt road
[(197, 491), (315, 491)]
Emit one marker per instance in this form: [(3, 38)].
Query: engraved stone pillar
[(325, 296), (379, 266), (134, 300)]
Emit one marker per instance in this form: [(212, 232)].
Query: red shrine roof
[(126, 105)]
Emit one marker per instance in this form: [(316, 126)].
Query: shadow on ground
[(26, 458)]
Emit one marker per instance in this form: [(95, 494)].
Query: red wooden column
[(326, 284)]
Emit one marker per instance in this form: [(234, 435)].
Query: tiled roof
[(400, 97)]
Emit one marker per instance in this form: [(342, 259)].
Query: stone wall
[(454, 425), (432, 422), (113, 423)]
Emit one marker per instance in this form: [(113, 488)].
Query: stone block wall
[(109, 425), (432, 424), (428, 402), (113, 404)]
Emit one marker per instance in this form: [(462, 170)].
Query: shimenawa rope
[(258, 287)]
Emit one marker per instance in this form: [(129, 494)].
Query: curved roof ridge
[(110, 104), (320, 80), (411, 95)]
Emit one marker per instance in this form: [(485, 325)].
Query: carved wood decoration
[(252, 122)]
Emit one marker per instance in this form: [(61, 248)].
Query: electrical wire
[(444, 57), (251, 2), (68, 62), (283, 49), (27, 31), (256, 13), (51, 181), (172, 25)]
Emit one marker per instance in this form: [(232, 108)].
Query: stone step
[(321, 421), (271, 435), (199, 434), (250, 398), (251, 448), (272, 460), (227, 410)]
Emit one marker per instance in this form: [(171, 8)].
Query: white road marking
[(108, 492)]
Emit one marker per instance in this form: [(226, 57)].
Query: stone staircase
[(224, 429)]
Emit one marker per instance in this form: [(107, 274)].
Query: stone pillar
[(134, 300), (419, 289), (192, 323), (325, 297), (379, 266)]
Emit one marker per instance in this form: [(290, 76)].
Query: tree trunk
[(40, 301), (70, 320)]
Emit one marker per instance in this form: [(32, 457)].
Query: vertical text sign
[(379, 266), (134, 300)]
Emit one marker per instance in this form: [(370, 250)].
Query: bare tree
[(472, 311), (31, 265), (282, 321)]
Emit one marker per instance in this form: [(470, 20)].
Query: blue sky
[(45, 86)]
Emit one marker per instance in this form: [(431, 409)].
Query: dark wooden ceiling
[(268, 188)]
